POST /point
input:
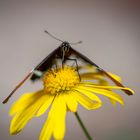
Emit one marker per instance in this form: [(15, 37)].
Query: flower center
[(60, 79)]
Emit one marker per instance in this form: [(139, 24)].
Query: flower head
[(60, 80), (62, 92)]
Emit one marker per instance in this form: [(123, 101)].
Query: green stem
[(82, 126)]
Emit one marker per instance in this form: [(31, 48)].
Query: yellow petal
[(47, 130), (59, 129), (85, 101), (45, 106), (71, 102), (55, 123), (99, 75), (22, 117), (116, 77), (107, 93), (96, 100), (112, 101), (91, 75), (90, 84), (24, 101)]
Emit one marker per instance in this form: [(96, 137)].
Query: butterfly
[(63, 52)]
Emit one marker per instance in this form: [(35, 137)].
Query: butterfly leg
[(75, 60)]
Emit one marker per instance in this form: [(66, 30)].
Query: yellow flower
[(63, 91)]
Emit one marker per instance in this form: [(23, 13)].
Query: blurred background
[(110, 33)]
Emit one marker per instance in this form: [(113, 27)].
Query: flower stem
[(82, 126)]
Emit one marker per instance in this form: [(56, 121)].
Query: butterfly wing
[(45, 64), (87, 60), (42, 66)]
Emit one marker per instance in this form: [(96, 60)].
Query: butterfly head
[(65, 46)]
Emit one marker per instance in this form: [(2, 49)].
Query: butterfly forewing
[(45, 64), (87, 60), (49, 61)]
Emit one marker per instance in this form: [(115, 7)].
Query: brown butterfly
[(63, 52)]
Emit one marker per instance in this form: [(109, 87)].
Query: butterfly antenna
[(79, 42), (53, 36)]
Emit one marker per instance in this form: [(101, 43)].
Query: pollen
[(60, 79)]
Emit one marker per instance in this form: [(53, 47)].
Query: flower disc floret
[(60, 80)]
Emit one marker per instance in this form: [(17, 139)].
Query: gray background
[(111, 37)]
